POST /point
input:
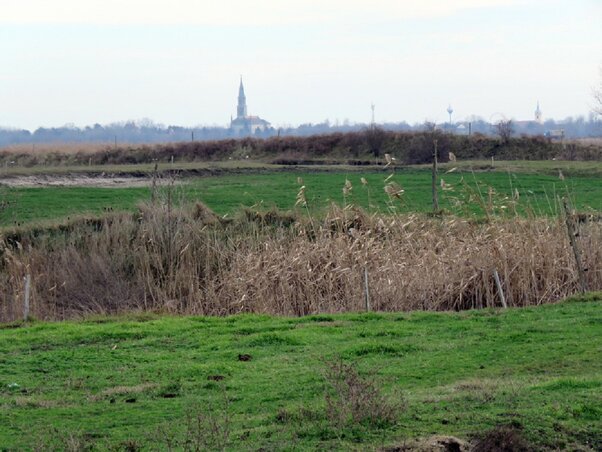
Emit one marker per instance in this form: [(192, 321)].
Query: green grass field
[(136, 383), (538, 192)]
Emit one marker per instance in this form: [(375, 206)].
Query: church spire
[(538, 115), (241, 109)]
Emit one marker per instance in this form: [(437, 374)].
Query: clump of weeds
[(353, 400), (207, 427)]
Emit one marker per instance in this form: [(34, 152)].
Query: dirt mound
[(503, 439), (437, 443)]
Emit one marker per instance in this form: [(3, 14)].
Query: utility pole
[(372, 124)]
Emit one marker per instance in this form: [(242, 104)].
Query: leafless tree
[(504, 129), (429, 126), (375, 139), (597, 92)]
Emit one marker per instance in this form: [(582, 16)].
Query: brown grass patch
[(335, 324), (32, 402), (124, 390)]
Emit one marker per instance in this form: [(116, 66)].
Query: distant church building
[(531, 126), (244, 124)]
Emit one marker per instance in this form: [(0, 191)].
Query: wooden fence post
[(500, 291), (366, 289), (571, 231), (154, 183), (27, 281)]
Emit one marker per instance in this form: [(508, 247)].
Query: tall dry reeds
[(187, 260), (415, 263)]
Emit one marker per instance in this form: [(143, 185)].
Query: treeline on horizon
[(146, 131), (363, 147)]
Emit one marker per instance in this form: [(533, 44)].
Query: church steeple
[(241, 109), (538, 116), (243, 124)]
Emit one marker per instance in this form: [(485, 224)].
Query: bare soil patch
[(77, 180), (436, 443), (503, 439)]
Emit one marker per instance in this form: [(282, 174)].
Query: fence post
[(366, 289), (500, 291), (571, 231), (434, 181), (27, 281), (154, 183)]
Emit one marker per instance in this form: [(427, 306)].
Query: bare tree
[(504, 129), (597, 92), (375, 139), (429, 126)]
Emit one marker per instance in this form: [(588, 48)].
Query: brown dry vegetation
[(354, 148), (593, 141), (56, 148), (189, 261)]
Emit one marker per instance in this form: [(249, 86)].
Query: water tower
[(450, 110)]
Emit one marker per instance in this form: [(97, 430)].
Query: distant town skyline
[(180, 62)]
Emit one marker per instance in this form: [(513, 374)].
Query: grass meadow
[(466, 192), (249, 382)]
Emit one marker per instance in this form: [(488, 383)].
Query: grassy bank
[(249, 382)]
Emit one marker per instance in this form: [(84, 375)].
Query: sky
[(179, 62)]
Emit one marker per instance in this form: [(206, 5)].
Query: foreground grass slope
[(143, 382)]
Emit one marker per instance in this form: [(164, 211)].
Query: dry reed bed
[(191, 262)]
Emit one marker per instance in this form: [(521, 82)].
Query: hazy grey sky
[(179, 61)]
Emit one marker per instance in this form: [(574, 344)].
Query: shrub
[(353, 400)]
